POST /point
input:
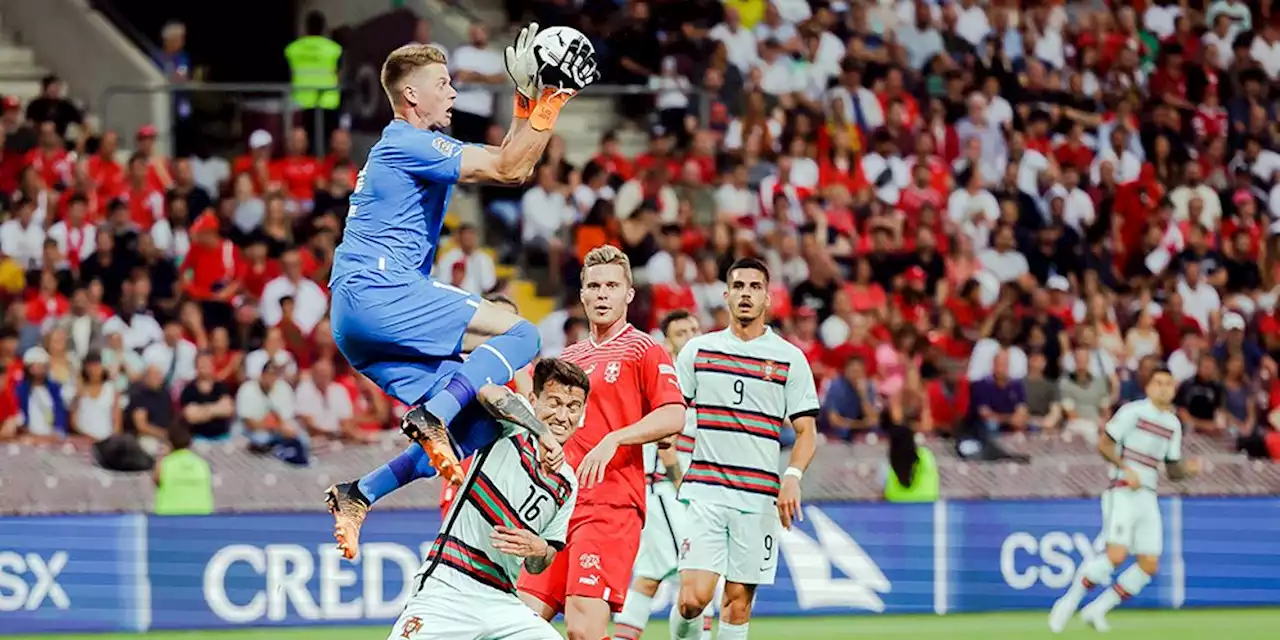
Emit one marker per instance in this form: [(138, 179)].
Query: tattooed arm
[(537, 553), (505, 404)]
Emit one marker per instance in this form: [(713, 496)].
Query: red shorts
[(596, 561)]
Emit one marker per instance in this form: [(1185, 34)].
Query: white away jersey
[(742, 393), (1145, 436), (655, 473), (505, 487)]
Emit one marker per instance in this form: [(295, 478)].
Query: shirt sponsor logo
[(591, 580), (666, 369), (445, 147)]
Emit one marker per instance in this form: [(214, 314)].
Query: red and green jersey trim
[(733, 477), (491, 504), (470, 561), (556, 485), (684, 444), (741, 366), (729, 420)]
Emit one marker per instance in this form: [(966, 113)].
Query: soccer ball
[(551, 45)]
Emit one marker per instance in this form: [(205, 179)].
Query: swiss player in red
[(635, 399)]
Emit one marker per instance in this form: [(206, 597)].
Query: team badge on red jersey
[(611, 371), (589, 561)]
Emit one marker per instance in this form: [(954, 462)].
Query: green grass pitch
[(1223, 624)]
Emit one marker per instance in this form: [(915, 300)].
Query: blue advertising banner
[(281, 569), (132, 573), (1023, 554), (69, 574)]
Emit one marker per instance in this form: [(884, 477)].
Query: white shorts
[(664, 521), (441, 611), (742, 547), (1131, 519)]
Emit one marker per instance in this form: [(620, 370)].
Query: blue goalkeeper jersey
[(399, 203)]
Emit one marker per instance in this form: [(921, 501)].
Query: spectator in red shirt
[(50, 159), (105, 172), (610, 159), (339, 155), (256, 163), (158, 176), (948, 398), (658, 153), (676, 294), (145, 202), (211, 271), (1173, 323), (297, 170)]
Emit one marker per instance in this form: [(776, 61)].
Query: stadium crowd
[(981, 217)]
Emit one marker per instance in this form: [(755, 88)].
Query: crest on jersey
[(612, 371), (411, 626), (769, 367), (684, 548), (589, 561)]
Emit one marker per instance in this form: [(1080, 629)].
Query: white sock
[(733, 631), (630, 622), (1097, 571), (683, 628), (1129, 584)]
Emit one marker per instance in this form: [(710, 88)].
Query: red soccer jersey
[(631, 375)]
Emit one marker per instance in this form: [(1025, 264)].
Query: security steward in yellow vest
[(184, 484), (313, 65)]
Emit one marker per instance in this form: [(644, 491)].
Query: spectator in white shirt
[(1003, 260), (982, 360), (266, 409), (174, 356), (474, 63), (1266, 50), (773, 27), (274, 352), (860, 105), (1195, 189), (310, 303), (661, 268), (739, 42), (777, 71), (479, 273), (324, 406), (973, 207), (22, 238), (1237, 12), (1125, 162), (1160, 17), (1222, 39), (733, 199), (545, 212), (77, 239), (971, 22), (1199, 299), (593, 188)]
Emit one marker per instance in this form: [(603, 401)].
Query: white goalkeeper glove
[(521, 64)]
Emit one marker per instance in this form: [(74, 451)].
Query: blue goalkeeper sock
[(411, 464), (494, 362)]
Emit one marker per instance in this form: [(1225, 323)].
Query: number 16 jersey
[(505, 487), (742, 392)]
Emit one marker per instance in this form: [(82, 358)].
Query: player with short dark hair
[(744, 384), (511, 513)]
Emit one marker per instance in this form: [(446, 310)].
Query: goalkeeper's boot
[(349, 507), (433, 436)]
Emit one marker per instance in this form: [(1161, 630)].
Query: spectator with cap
[(211, 270), (1235, 343), (257, 162), (42, 401), (159, 177)]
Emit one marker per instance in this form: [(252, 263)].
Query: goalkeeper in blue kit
[(394, 323)]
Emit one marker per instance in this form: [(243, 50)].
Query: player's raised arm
[(547, 72)]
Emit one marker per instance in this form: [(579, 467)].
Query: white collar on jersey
[(611, 338)]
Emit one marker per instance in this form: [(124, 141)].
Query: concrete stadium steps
[(588, 117), (524, 292), (19, 74)]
